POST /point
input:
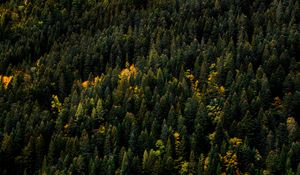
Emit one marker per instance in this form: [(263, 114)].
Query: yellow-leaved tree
[(129, 71), (56, 104), (5, 80)]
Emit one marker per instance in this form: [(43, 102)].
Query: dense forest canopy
[(150, 87)]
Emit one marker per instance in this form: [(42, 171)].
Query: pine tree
[(125, 165)]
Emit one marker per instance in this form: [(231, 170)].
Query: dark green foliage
[(149, 87)]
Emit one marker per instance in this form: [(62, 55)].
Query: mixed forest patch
[(150, 87)]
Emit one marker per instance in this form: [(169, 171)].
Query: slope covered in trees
[(149, 87)]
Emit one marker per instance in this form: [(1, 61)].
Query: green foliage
[(149, 87)]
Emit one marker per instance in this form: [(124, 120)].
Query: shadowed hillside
[(150, 87)]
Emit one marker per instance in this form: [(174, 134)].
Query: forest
[(145, 87)]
